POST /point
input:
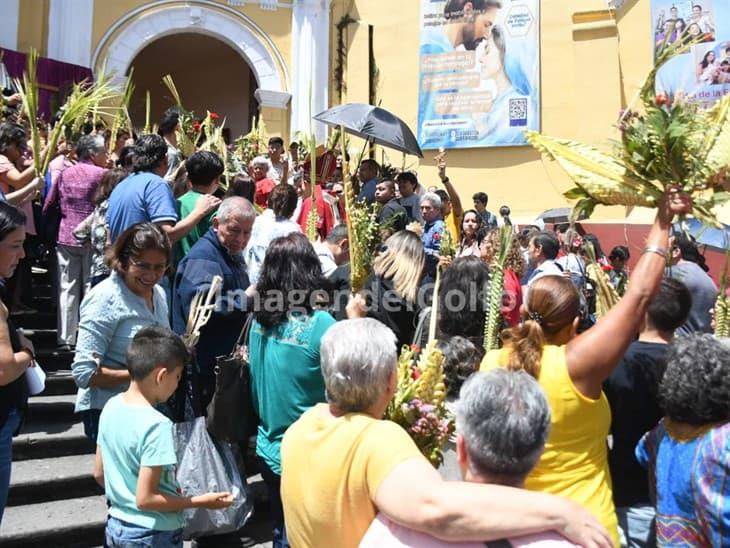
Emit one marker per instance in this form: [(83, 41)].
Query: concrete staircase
[(53, 499)]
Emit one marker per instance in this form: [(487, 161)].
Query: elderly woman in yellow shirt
[(342, 464), (571, 369)]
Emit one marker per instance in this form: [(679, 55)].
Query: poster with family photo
[(702, 74), (479, 73)]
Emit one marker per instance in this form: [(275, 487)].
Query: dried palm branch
[(186, 119), (27, 87), (419, 402), (82, 99), (362, 220), (606, 295), (147, 112), (671, 143), (201, 309), (313, 216), (493, 321), (122, 116), (722, 307)]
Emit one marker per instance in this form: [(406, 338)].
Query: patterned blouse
[(689, 480), (99, 234)]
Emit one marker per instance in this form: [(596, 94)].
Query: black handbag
[(231, 414)]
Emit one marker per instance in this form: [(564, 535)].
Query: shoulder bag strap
[(243, 337)]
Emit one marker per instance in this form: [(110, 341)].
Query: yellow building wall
[(276, 24), (590, 64), (33, 26)]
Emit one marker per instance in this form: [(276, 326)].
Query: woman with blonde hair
[(514, 269), (571, 370), (391, 291)]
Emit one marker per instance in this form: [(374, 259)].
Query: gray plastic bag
[(204, 466)]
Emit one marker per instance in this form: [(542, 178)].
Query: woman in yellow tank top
[(571, 370)]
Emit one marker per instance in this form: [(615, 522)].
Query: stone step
[(79, 522), (43, 289), (73, 522), (53, 359), (46, 438), (59, 382), (42, 338), (43, 480), (44, 301), (56, 407), (43, 319)]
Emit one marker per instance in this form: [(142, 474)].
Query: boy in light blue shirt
[(135, 454)]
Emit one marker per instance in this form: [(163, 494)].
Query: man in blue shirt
[(432, 231), (145, 197), (368, 174), (217, 253)]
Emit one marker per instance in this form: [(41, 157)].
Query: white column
[(310, 63), (69, 31), (9, 14)]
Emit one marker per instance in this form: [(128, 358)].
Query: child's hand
[(214, 501)]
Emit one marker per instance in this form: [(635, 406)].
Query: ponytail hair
[(526, 342), (552, 303)]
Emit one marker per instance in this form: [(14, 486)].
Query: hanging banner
[(479, 83), (703, 73)]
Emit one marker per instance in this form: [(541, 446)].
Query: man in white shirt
[(702, 19), (334, 251), (542, 251)]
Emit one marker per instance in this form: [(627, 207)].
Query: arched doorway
[(141, 27), (208, 74)]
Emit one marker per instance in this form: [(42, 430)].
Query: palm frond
[(598, 175), (28, 89)]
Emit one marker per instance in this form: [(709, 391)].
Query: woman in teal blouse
[(286, 379), (113, 312)]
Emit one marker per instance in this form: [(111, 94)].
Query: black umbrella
[(558, 215), (374, 124)]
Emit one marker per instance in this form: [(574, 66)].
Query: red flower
[(214, 115), (436, 236), (415, 373), (196, 125), (606, 267), (661, 99)]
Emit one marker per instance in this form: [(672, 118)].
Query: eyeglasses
[(147, 267)]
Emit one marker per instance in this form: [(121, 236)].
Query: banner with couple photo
[(479, 83), (703, 73)]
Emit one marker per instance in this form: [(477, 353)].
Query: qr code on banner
[(517, 112)]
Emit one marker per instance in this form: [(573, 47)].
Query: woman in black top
[(392, 290), (16, 352)]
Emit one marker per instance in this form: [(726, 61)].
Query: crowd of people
[(576, 431)]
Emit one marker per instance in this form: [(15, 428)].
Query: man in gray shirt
[(689, 267)]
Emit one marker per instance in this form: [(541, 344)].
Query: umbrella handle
[(364, 148)]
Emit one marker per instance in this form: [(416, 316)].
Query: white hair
[(432, 198), (504, 418), (358, 358), (235, 206), (261, 161)]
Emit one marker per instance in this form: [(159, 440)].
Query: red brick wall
[(634, 236)]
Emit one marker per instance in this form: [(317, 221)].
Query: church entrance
[(208, 74)]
